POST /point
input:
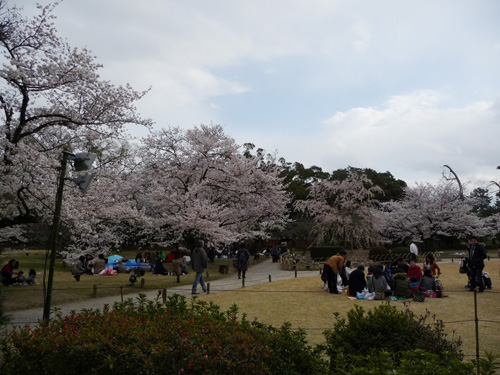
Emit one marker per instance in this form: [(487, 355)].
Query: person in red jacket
[(8, 273), (414, 270)]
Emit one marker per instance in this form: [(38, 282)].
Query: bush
[(411, 362), (403, 252), (379, 253), (150, 338), (324, 252), (385, 328)]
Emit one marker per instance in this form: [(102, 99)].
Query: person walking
[(242, 258), (477, 255), (199, 261), (414, 251)]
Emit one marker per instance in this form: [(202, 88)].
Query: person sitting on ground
[(98, 263), (177, 264), (32, 277), (349, 268), (8, 273), (414, 284), (400, 266), (159, 269), (431, 264), (120, 267), (414, 270), (401, 286), (378, 283), (427, 282), (79, 268), (371, 265), (87, 263), (20, 279), (357, 281)]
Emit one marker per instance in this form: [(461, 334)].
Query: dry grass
[(303, 303)]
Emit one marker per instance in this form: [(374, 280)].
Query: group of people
[(179, 263), (88, 265), (397, 279), (10, 276)]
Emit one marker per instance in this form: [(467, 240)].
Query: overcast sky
[(398, 86)]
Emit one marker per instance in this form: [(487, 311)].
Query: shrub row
[(149, 338), (146, 337), (324, 252)]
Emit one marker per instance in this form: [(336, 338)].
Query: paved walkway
[(256, 274)]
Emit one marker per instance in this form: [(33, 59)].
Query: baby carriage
[(464, 268)]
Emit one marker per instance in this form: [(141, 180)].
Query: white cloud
[(414, 135)]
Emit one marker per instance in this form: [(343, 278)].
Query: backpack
[(486, 280), (243, 257), (418, 296)]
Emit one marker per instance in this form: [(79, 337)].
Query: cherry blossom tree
[(197, 182), (51, 99), (429, 212), (344, 210)]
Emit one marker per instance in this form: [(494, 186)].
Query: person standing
[(414, 251), (242, 258), (199, 262), (333, 266), (477, 255)]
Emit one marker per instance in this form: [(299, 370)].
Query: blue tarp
[(114, 258), (128, 264)]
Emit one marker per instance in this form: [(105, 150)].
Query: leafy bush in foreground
[(387, 329), (150, 338)]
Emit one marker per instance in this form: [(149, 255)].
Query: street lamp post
[(54, 234), (82, 162)]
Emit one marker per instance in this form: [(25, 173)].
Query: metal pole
[(477, 331), (53, 236)]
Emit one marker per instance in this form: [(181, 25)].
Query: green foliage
[(147, 337), (410, 362), (489, 365), (392, 189), (386, 328), (400, 252), (378, 252), (324, 252)]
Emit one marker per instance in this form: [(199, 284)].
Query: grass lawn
[(303, 303), (66, 289)]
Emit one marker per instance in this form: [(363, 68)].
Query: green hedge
[(385, 334), (400, 252), (324, 252), (151, 338), (379, 251)]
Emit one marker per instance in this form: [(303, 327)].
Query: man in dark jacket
[(199, 262), (477, 255), (357, 281)]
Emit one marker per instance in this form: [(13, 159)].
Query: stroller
[(464, 268)]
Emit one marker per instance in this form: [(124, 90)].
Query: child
[(32, 277), (413, 284), (20, 279)]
